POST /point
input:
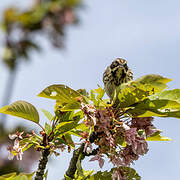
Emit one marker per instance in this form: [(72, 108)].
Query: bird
[(114, 76)]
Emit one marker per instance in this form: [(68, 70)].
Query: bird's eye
[(114, 64)]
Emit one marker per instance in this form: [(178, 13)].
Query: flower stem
[(42, 164)]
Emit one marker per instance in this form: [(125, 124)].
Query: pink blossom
[(138, 143), (99, 158), (130, 136), (144, 123)]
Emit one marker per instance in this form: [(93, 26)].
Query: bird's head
[(120, 65), (119, 69)]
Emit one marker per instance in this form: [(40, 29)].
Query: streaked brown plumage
[(115, 75)]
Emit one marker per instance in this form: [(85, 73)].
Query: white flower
[(16, 135), (16, 149)]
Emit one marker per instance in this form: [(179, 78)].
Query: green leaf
[(21, 109), (14, 176), (48, 128), (93, 97), (140, 89), (83, 92), (100, 92), (157, 81), (130, 174), (74, 105), (173, 95), (158, 137), (69, 140), (132, 94), (8, 176), (60, 92), (64, 127), (159, 107), (96, 96), (23, 176), (47, 114)]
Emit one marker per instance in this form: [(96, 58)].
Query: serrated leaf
[(60, 92), (47, 114), (158, 137), (48, 128), (21, 109)]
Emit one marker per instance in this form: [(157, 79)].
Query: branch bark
[(72, 166), (42, 164)]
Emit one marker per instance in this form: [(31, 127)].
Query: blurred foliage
[(7, 166), (47, 17), (20, 27)]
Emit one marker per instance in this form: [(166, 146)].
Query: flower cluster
[(15, 150), (121, 140), (144, 123)]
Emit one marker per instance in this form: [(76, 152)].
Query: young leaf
[(60, 92), (96, 96), (69, 140), (158, 137), (47, 114), (48, 128), (21, 109), (100, 93)]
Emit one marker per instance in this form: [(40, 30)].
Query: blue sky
[(146, 33)]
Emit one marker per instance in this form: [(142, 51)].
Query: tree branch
[(42, 164), (72, 166)]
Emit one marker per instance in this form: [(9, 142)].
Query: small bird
[(115, 75)]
